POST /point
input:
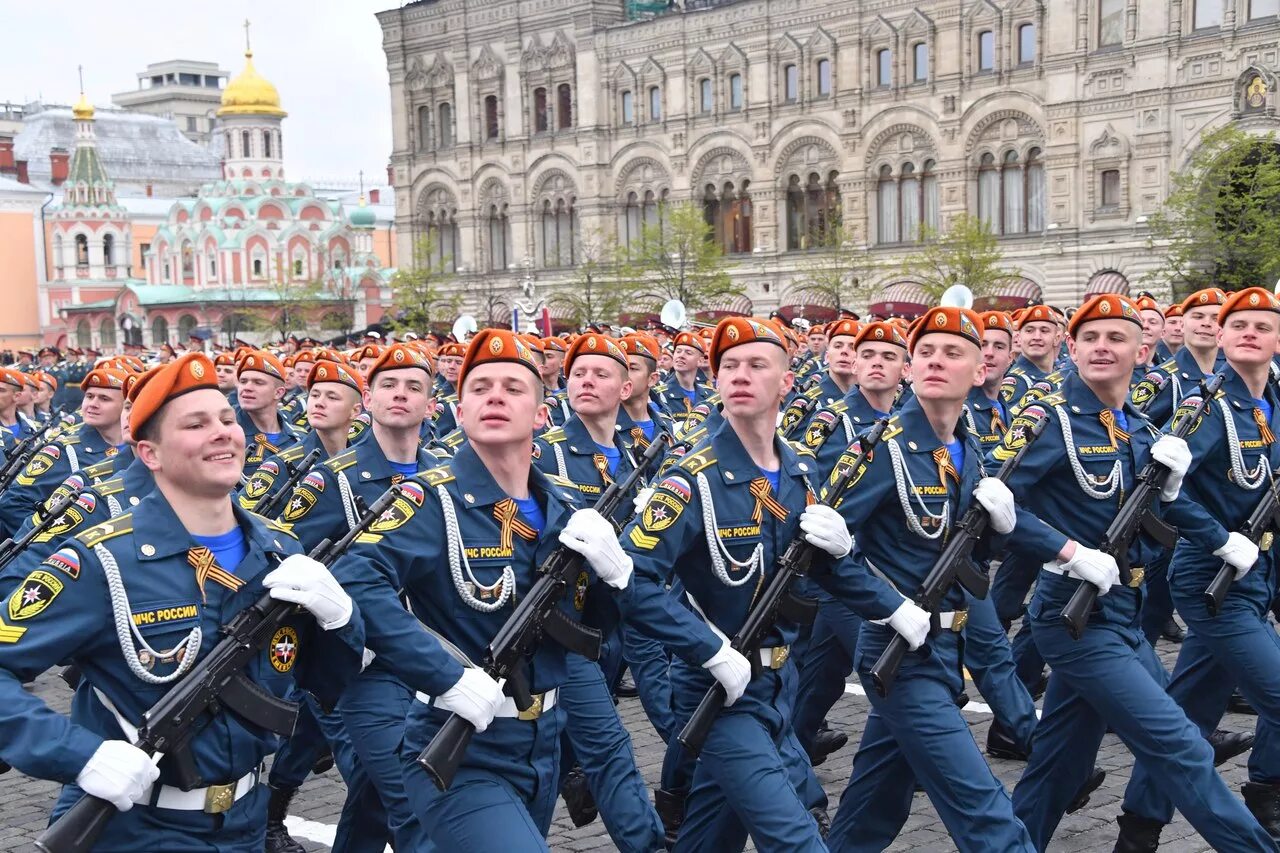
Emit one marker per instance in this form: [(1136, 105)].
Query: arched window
[(1026, 44), (498, 226), (442, 231), (491, 117), (246, 144), (558, 232), (813, 209), (628, 107), (887, 191), (989, 192), (564, 106), (929, 192), (824, 77), (108, 250), (632, 220), (884, 68), (159, 331), (258, 267), (704, 96), (735, 92), (540, 118), (445, 111), (82, 250), (920, 62), (907, 203), (655, 103), (424, 128), (186, 325), (727, 209), (1011, 192), (266, 144), (1015, 195), (188, 262), (107, 334), (986, 50), (84, 337)]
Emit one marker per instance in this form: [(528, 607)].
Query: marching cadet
[(640, 417), (13, 426), (372, 711), (449, 363), (1234, 455), (491, 519), (591, 453), (925, 474), (259, 389), (1039, 337), (225, 365), (838, 380), (46, 386), (1076, 474), (1172, 339), (554, 351), (98, 438), (684, 388), (1152, 330), (365, 356), (293, 406), (986, 412), (334, 393), (135, 602)]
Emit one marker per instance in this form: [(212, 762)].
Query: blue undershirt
[(273, 437), (956, 450), (532, 512), (15, 428), (1122, 420), (228, 548), (1265, 407), (647, 428), (611, 455), (774, 478), (691, 396), (408, 469)]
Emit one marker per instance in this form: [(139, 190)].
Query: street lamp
[(532, 303)]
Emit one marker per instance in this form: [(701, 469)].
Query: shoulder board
[(695, 462), (801, 450), (114, 486), (660, 388), (1054, 399), (894, 429), (99, 533), (563, 482), (99, 469), (272, 524), (813, 392), (554, 435), (437, 476), (1170, 366), (342, 461), (292, 454), (69, 438)]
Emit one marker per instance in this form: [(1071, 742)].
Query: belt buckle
[(219, 798), (779, 656), (1136, 574), (958, 620), (1267, 539), (535, 710)]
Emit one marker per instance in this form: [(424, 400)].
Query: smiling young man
[(449, 365), (1161, 389), (1070, 484), (260, 386), (684, 389), (177, 567), (1172, 339), (1039, 338)]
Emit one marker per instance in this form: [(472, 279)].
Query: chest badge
[(284, 649)]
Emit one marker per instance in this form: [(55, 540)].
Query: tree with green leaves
[(837, 273), (1220, 225), (678, 258), (966, 253), (599, 289), (293, 301), (419, 292)]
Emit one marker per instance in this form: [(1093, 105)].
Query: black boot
[(1090, 785), (1172, 631), (1237, 704), (1264, 802), (578, 798), (823, 820), (626, 688), (1227, 745), (278, 838), (1000, 744), (1138, 834), (324, 762), (825, 742), (670, 808)]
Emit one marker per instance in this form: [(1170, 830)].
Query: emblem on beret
[(1204, 297), (495, 345), (940, 319), (197, 370), (731, 333), (1104, 307), (322, 373), (399, 355), (879, 334), (591, 342), (249, 362), (1253, 299)]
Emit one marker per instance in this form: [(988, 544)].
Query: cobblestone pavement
[(24, 803)]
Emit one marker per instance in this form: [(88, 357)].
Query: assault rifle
[(10, 548), (1135, 515), (795, 414), (774, 600), (536, 614), (1258, 528), (24, 450), (217, 680), (954, 565), (270, 507)]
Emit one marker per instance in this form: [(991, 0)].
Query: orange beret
[(1174, 310), (533, 342), (287, 361), (490, 346), (1146, 302), (734, 331), (305, 356), (997, 320), (557, 344), (224, 359), (330, 371), (453, 349), (367, 351), (399, 356), (1036, 314), (133, 385), (191, 372), (104, 378), (12, 377), (595, 344), (948, 320), (1201, 298), (689, 339), (641, 345), (848, 328), (1249, 299), (261, 361), (880, 332), (817, 329), (46, 379), (1105, 306)]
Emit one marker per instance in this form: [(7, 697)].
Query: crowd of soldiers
[(727, 522)]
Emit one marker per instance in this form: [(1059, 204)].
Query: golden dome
[(83, 110), (250, 94)]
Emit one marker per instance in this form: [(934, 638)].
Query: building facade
[(183, 90), (521, 127)]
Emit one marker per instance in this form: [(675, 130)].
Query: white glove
[(307, 583), (997, 500), (642, 498), (732, 670), (825, 528), (476, 697), (120, 773), (1172, 452), (1094, 567), (912, 622), (591, 535), (1239, 553)]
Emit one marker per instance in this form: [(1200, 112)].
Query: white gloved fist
[(476, 697), (591, 535), (1172, 452), (826, 529), (997, 500), (912, 622), (119, 773), (642, 498), (732, 670), (307, 583), (1095, 567), (1239, 553)]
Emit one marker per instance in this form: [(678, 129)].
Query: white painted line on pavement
[(321, 833), (975, 707)]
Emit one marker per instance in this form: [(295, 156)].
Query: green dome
[(362, 216)]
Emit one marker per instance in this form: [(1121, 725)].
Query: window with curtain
[(1263, 8), (728, 211), (558, 232), (909, 203), (442, 230), (929, 195), (655, 103), (790, 83), (1110, 194), (887, 207), (1035, 190), (920, 62), (628, 107), (1014, 194), (704, 96), (424, 127), (884, 68), (1208, 13), (986, 50), (491, 117), (498, 228), (989, 192), (812, 210), (540, 123), (651, 213), (824, 77), (1026, 44), (1110, 22), (266, 144), (735, 92), (1011, 194), (632, 220), (446, 125), (564, 106)]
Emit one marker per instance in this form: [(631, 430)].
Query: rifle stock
[(1260, 522)]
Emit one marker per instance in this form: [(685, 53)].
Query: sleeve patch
[(302, 502), (33, 595)]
